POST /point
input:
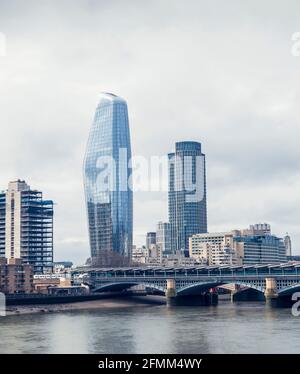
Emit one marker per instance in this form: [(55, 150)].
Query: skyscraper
[(163, 238), (187, 194), (26, 226), (106, 172)]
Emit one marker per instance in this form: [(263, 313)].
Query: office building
[(106, 172), (238, 247), (187, 194), (139, 254), (150, 239), (163, 237), (154, 257), (266, 249), (26, 226), (213, 248)]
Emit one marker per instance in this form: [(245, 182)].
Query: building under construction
[(26, 227)]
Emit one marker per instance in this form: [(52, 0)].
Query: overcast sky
[(217, 72)]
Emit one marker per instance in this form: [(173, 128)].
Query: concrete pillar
[(214, 298), (271, 291), (171, 291), (235, 290), (171, 288)]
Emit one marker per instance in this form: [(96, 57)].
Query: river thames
[(228, 328)]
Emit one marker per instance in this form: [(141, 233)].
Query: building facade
[(139, 254), (288, 245), (26, 226), (163, 237), (213, 249), (15, 277), (261, 228), (150, 239), (238, 247), (106, 172), (154, 257), (187, 194)]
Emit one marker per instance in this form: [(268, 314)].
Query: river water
[(227, 328)]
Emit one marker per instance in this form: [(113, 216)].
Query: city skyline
[(246, 119)]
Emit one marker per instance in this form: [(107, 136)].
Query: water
[(227, 328)]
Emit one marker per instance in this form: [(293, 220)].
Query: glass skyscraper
[(106, 171), (187, 194)]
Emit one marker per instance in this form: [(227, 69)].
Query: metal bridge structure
[(272, 280)]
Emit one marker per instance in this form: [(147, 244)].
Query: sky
[(221, 73)]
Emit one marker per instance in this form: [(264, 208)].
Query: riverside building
[(15, 277), (26, 227), (238, 247)]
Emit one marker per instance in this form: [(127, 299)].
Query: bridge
[(271, 281)]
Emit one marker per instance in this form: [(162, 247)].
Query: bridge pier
[(233, 294), (171, 292), (213, 297), (271, 292)]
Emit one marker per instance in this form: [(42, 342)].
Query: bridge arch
[(250, 285), (121, 286), (289, 290), (200, 287), (185, 290), (196, 288)]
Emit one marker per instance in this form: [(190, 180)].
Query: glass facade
[(187, 194), (106, 171), (150, 239), (266, 249), (163, 238)]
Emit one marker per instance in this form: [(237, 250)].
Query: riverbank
[(120, 302)]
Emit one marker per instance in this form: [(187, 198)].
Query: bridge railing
[(196, 277)]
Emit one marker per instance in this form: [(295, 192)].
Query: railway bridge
[(182, 284)]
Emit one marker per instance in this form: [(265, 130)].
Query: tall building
[(106, 172), (163, 237), (187, 194), (26, 226), (237, 247), (150, 239), (288, 245)]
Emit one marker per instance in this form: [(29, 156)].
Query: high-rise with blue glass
[(187, 194), (106, 172)]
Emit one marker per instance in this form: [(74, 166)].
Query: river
[(227, 328)]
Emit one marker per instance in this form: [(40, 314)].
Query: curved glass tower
[(106, 171)]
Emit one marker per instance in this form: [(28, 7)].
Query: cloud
[(217, 73)]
